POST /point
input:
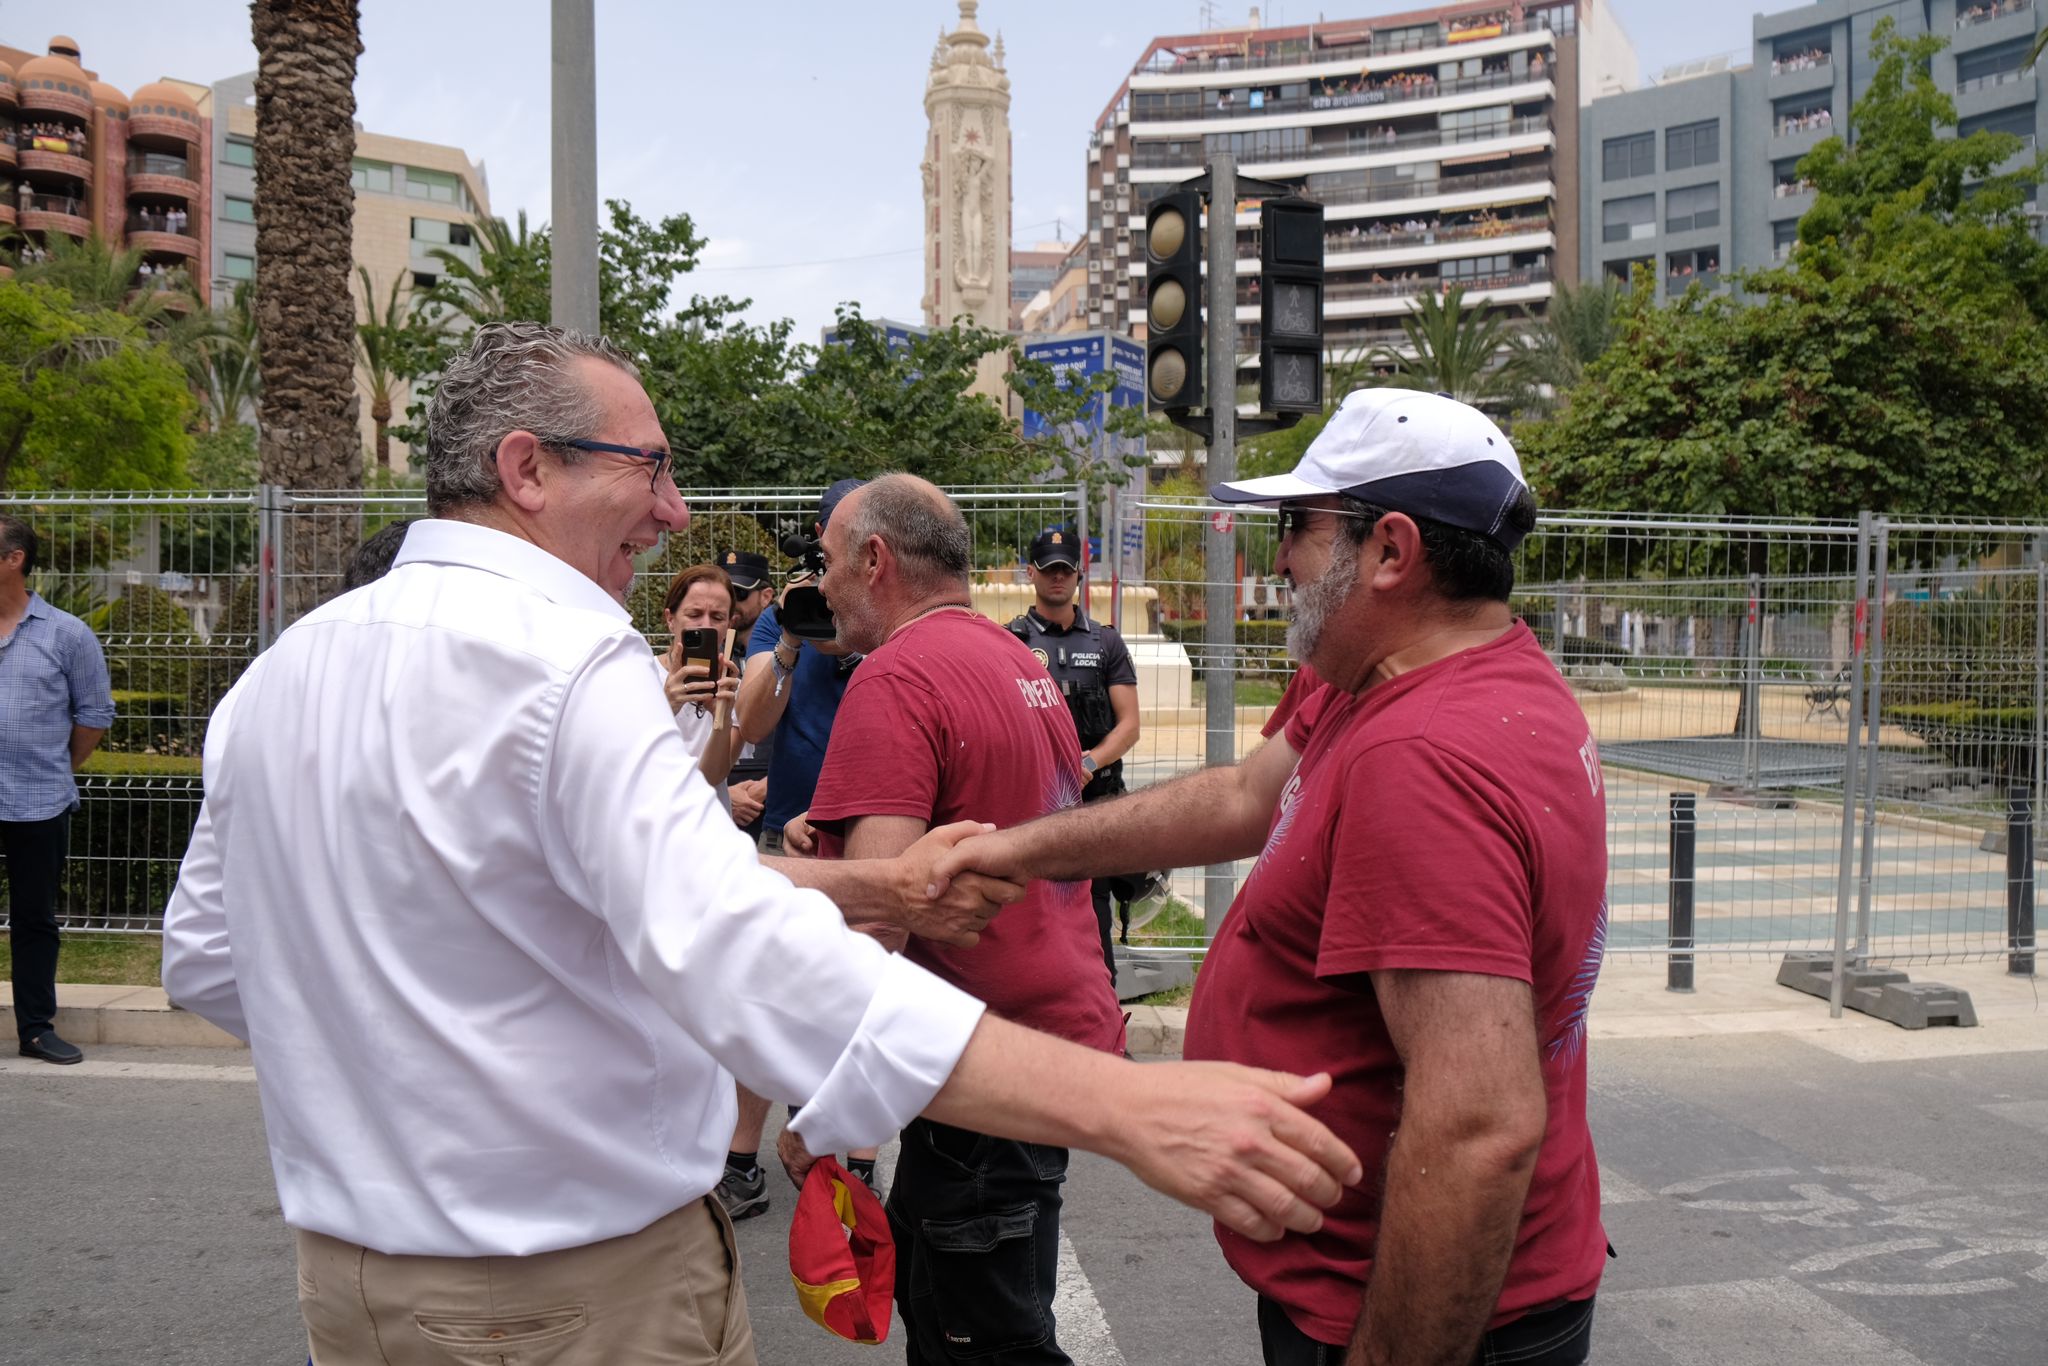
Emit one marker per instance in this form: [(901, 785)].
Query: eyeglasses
[(663, 460)]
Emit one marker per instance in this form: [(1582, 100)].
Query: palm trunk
[(305, 316)]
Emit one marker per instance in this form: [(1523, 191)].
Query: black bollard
[(2019, 880), (1684, 848)]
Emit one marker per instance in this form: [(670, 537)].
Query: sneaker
[(742, 1198)]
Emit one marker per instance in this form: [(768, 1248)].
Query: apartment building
[(82, 159), (1443, 144), (1697, 173)]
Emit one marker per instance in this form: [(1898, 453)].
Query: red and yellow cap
[(841, 1255)]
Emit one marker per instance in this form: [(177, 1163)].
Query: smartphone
[(700, 646)]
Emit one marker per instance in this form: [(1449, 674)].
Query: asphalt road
[(1774, 1202)]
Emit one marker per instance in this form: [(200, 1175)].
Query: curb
[(89, 1015), (1156, 1031), (145, 1015)]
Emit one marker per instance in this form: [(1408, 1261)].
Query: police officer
[(752, 591), (1093, 670)]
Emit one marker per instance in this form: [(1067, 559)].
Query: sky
[(790, 134)]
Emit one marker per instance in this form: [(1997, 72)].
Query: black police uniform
[(1086, 660)]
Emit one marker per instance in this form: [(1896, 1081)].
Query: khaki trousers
[(669, 1295)]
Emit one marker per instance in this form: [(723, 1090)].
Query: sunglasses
[(1294, 517)]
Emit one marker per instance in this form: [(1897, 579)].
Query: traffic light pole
[(1219, 638)]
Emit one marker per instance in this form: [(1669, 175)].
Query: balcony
[(1985, 11), (1169, 70), (1801, 72), (7, 211), (48, 99), (54, 213), (154, 242), (1465, 191), (9, 96), (1155, 157), (35, 160), (1149, 123), (1365, 298), (161, 127), (169, 186), (7, 153), (1365, 250)]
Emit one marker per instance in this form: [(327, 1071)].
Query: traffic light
[(1290, 306), (1173, 301)]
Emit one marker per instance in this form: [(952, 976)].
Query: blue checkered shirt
[(52, 677)]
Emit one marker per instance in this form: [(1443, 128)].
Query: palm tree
[(305, 210), (2034, 52), (1451, 349), (306, 54), (227, 373), (507, 283), (99, 276), (1577, 327), (380, 340)]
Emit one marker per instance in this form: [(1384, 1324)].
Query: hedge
[(1999, 740)]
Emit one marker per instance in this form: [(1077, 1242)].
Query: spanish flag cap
[(841, 1255)]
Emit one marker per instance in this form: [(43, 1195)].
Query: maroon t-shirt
[(1451, 818), (952, 719)]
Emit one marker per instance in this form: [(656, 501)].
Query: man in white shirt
[(499, 954)]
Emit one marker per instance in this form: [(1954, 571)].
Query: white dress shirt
[(493, 943)]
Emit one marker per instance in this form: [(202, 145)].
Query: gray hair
[(920, 524), (514, 377)]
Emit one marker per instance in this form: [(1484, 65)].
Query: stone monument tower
[(967, 186)]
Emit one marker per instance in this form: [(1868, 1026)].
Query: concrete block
[(1917, 1005), (1141, 976), (1883, 993)]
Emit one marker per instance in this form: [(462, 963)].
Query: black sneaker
[(742, 1198), (50, 1048)]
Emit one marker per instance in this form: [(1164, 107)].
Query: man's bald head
[(919, 524)]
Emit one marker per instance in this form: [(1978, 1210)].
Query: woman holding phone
[(697, 610)]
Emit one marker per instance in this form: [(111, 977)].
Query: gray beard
[(1315, 602)]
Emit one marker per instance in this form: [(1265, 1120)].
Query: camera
[(805, 614)]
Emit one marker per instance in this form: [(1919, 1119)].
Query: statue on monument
[(973, 217)]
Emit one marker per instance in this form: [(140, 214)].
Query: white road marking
[(1738, 1323), (1080, 1324), (128, 1071), (1082, 1328), (1616, 1189)]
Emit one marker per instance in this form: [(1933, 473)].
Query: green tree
[(878, 408), (88, 398), (1908, 195), (1072, 407), (1467, 353), (1890, 366)]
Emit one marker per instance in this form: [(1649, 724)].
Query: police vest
[(1083, 687)]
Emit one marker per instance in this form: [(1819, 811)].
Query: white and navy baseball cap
[(1413, 452)]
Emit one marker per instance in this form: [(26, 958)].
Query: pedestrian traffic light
[(1290, 306), (1173, 301)]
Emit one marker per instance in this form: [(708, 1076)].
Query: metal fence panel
[(1714, 657), (184, 589)]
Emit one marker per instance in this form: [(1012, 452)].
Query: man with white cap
[(1428, 909)]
